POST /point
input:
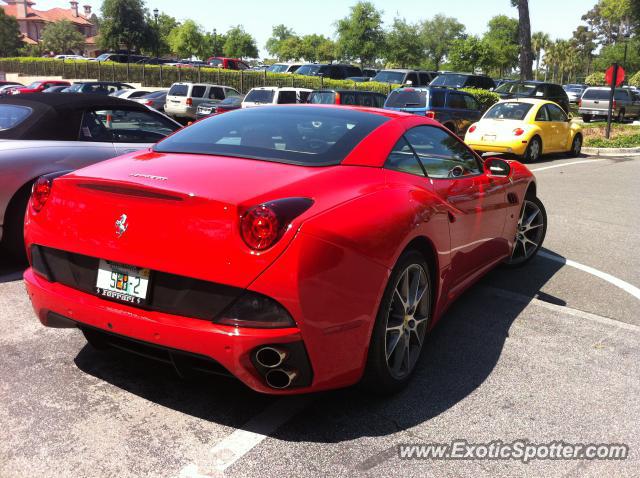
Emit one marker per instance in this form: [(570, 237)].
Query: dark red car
[(227, 63), (298, 248), (39, 86)]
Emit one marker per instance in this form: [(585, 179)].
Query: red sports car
[(298, 248)]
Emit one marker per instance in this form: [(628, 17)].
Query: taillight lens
[(263, 225), (149, 102), (472, 129), (40, 193), (518, 131), (579, 103), (338, 99), (257, 311), (189, 101), (614, 104), (430, 114)]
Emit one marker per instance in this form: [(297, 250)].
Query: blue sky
[(556, 17)]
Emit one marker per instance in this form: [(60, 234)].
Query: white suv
[(183, 99), (272, 95)]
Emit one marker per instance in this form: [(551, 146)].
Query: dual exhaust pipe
[(272, 359)]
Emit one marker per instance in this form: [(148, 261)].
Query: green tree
[(469, 54), (437, 36), (62, 37), (360, 35), (10, 38), (290, 49), (539, 41), (611, 19), (316, 48), (124, 24), (240, 44), (524, 38), (401, 41), (584, 40), (160, 32), (279, 33), (615, 54), (187, 40), (502, 40)]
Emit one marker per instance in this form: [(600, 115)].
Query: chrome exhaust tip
[(271, 357), (279, 378)]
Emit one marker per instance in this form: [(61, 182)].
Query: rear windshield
[(508, 111), (517, 88), (396, 77), (307, 136), (179, 90), (454, 81), (34, 85), (260, 96), (216, 62), (309, 70), (592, 94), (155, 94), (12, 115), (407, 98), (278, 68), (322, 98)]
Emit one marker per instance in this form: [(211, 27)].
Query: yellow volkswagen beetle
[(527, 128)]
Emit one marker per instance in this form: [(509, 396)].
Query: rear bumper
[(517, 149), (232, 348), (180, 111)]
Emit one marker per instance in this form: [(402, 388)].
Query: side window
[(471, 102), (198, 91), (216, 93), (555, 113), (413, 78), (425, 79), (348, 98), (456, 100), (287, 97), (124, 126), (541, 91), (402, 159), (304, 96), (231, 92), (365, 99), (542, 114), (442, 155), (380, 99), (242, 66), (232, 65), (437, 98)]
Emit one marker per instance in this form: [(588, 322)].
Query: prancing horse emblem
[(121, 225)]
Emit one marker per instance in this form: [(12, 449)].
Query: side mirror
[(497, 167)]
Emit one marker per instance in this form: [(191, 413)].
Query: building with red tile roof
[(32, 22)]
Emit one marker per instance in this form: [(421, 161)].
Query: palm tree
[(539, 41), (551, 57)]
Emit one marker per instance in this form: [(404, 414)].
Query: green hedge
[(595, 79), (486, 98), (165, 76), (635, 80)]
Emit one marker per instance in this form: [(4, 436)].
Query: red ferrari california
[(297, 248)]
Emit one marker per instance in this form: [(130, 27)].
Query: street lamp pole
[(157, 35), (215, 42)]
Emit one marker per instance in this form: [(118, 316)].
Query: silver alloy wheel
[(407, 321), (529, 234), (534, 150), (577, 145)]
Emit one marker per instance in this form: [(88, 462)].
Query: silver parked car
[(183, 99), (48, 133), (595, 103)]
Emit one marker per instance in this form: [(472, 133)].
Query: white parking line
[(242, 441), (631, 289), (567, 164)]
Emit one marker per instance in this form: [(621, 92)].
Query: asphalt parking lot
[(549, 352)]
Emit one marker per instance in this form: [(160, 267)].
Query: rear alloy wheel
[(401, 325), (576, 146), (532, 228), (534, 150)]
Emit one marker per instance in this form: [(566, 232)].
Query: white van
[(183, 99), (272, 95)]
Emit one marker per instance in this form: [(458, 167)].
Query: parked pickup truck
[(595, 102)]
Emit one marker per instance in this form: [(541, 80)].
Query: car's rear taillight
[(220, 109), (149, 102), (263, 225), (518, 131), (189, 101), (430, 114), (580, 103), (614, 104), (472, 128), (40, 193), (338, 99)]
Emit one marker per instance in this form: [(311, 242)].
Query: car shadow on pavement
[(10, 269), (460, 353)]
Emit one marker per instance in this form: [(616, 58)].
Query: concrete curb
[(611, 151)]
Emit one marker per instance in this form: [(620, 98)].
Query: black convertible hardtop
[(58, 116)]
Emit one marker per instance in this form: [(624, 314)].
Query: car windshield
[(278, 68), (574, 90), (452, 80), (322, 98), (103, 57), (508, 111), (407, 98), (259, 96), (34, 85), (76, 87), (307, 136), (396, 77), (12, 115), (309, 70), (216, 62), (516, 88)]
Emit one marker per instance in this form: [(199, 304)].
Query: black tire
[(587, 118), (514, 262), (620, 117), (576, 147), (378, 376), (533, 151), (13, 233)]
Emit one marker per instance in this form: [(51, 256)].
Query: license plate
[(489, 137), (204, 111), (122, 282)]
